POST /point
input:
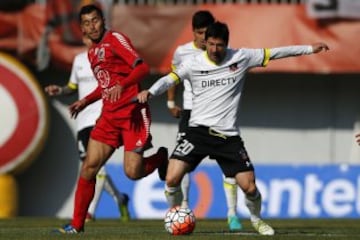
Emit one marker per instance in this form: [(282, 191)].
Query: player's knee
[(249, 189), (132, 174), (89, 171), (172, 181)]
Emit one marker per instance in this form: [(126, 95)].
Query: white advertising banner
[(333, 8)]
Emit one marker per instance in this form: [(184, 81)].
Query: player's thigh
[(133, 163), (176, 171), (97, 154), (231, 155)]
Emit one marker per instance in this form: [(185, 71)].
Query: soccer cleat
[(263, 228), (162, 169), (89, 218), (123, 207), (234, 223), (67, 229)]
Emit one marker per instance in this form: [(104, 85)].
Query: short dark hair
[(218, 30), (86, 9), (202, 19)]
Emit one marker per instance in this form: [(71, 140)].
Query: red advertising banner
[(157, 30)]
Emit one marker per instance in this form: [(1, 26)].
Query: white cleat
[(263, 228)]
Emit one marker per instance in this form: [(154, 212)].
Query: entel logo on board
[(23, 114)]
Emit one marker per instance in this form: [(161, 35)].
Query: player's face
[(199, 37), (92, 25), (216, 49)]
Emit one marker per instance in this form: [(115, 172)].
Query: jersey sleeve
[(257, 57), (169, 80), (261, 57), (74, 79), (183, 70), (124, 49), (290, 51), (176, 60)]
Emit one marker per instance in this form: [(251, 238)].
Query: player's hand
[(143, 96), (318, 47), (175, 111), (357, 136), (114, 93), (76, 107), (53, 90)]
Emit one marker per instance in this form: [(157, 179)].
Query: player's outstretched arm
[(295, 50), (318, 47), (163, 84), (357, 137), (77, 107), (143, 96), (56, 90), (174, 109), (53, 90), (159, 87)]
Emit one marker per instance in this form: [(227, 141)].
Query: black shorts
[(201, 142), (183, 124), (83, 140)]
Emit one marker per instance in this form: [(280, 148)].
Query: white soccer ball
[(179, 221)]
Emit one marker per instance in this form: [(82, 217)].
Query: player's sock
[(185, 187), (230, 189), (83, 196), (112, 190), (156, 160), (99, 186), (173, 195), (121, 199), (253, 203)]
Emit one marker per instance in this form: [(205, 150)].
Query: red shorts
[(132, 132)]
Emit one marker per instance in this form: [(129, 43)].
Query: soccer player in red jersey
[(123, 122)]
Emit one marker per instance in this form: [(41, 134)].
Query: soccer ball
[(179, 221)]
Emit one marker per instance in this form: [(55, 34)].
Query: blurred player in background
[(217, 79), (123, 122), (357, 136), (200, 21), (82, 80)]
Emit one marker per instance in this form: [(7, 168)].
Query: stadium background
[(299, 115)]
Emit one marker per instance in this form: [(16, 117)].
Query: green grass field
[(40, 229)]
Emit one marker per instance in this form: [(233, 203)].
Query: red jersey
[(112, 60)]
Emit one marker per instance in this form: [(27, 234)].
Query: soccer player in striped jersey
[(119, 70), (217, 78), (200, 20), (83, 82)]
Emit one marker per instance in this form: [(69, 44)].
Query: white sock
[(112, 190), (185, 187), (253, 203), (230, 189), (100, 180), (173, 195)]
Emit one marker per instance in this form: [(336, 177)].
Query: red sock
[(152, 162), (84, 194)]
